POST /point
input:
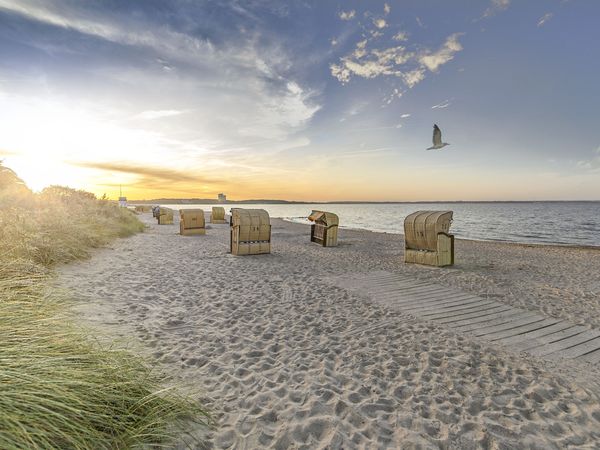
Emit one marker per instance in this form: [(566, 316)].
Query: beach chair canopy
[(325, 218), (422, 227)]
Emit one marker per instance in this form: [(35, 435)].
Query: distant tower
[(122, 200), (222, 198)]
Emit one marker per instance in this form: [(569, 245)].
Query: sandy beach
[(284, 358)]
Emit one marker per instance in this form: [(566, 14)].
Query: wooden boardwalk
[(482, 317)]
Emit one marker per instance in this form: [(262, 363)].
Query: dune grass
[(60, 388)]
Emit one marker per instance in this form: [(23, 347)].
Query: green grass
[(59, 387)]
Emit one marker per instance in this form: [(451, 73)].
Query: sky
[(303, 100)]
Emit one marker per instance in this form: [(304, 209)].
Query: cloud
[(592, 164), (380, 23), (152, 174), (545, 18), (495, 7), (401, 36), (154, 114), (405, 116), (386, 9), (408, 66), (225, 89), (446, 53), (442, 105), (347, 15)]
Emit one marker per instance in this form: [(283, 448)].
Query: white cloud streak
[(545, 18), (347, 15), (442, 105), (495, 7)]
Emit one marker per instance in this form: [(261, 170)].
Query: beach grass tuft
[(60, 387)]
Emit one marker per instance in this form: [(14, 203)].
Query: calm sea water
[(573, 223)]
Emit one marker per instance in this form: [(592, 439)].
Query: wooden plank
[(406, 304), (515, 323), (592, 357), (550, 338), (498, 319), (494, 312), (441, 304), (535, 334), (407, 284), (400, 294), (457, 310), (577, 350), (522, 330), (435, 300), (564, 343)]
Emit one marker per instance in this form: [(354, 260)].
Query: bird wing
[(437, 136)]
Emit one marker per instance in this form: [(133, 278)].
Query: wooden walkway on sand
[(483, 317)]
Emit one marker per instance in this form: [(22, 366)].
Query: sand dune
[(285, 359)]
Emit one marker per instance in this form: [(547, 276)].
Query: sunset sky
[(303, 100)]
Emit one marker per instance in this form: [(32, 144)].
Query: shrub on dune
[(60, 388)]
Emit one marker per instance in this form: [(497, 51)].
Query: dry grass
[(61, 388)]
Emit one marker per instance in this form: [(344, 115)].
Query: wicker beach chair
[(191, 222), (164, 216), (217, 215), (250, 231), (426, 238), (324, 230)]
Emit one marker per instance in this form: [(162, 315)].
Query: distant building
[(122, 199), (222, 198)]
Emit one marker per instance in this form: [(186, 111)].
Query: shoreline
[(286, 359), (496, 241)]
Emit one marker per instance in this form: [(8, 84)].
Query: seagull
[(437, 139)]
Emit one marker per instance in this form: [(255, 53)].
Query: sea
[(563, 223)]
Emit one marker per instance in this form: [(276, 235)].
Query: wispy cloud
[(153, 173), (386, 9), (442, 105), (347, 15), (404, 116), (157, 114), (409, 66), (433, 60), (545, 18), (401, 36), (495, 7), (592, 164)]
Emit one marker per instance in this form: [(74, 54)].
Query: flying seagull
[(437, 139)]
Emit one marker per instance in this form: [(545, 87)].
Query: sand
[(284, 359)]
